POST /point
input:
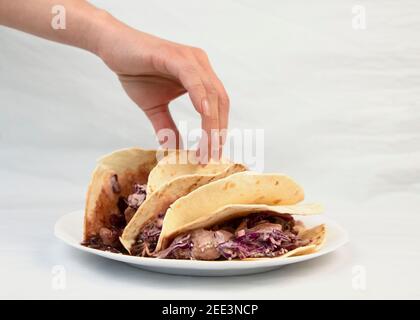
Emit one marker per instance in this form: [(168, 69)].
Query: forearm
[(83, 21)]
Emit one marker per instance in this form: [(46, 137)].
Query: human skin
[(152, 71)]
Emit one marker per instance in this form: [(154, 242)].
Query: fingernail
[(206, 107)]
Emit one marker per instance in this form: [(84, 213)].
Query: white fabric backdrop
[(341, 113)]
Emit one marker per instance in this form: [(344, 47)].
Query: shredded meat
[(109, 236), (205, 242), (148, 237), (95, 242), (134, 201)]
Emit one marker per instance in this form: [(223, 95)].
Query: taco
[(117, 187), (237, 189), (247, 232), (246, 215)]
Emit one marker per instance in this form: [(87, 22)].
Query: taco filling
[(148, 238), (258, 235), (108, 237)]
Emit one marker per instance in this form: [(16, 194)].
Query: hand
[(154, 72)]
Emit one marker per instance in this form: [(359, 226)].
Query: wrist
[(101, 24)]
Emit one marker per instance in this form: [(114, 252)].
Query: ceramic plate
[(69, 228)]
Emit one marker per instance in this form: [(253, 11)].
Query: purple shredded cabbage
[(260, 243), (259, 235), (180, 247)]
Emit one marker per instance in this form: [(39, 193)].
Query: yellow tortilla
[(238, 189), (131, 166), (160, 200), (180, 163)]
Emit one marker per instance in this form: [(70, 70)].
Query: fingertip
[(203, 151)]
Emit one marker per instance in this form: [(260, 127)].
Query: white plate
[(69, 228)]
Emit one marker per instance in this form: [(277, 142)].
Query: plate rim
[(60, 233)]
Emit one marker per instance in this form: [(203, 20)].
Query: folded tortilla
[(112, 180), (237, 189), (178, 163)]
